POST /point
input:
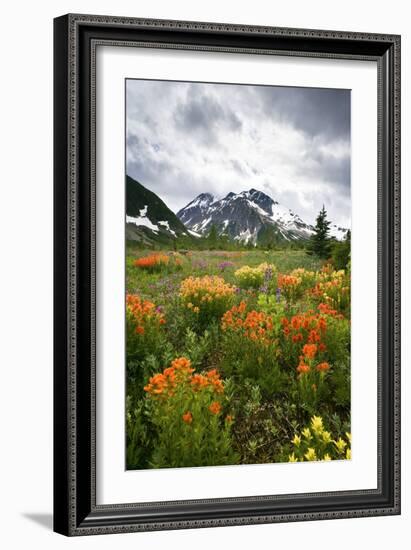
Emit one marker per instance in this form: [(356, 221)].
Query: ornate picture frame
[(76, 40)]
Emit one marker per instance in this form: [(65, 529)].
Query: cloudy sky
[(292, 143)]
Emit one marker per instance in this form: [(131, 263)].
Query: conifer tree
[(213, 237), (320, 244)]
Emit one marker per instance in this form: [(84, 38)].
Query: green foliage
[(138, 197), (341, 252), (139, 435), (340, 381), (145, 337), (269, 237), (255, 277), (205, 299), (312, 391), (267, 401), (200, 348), (260, 426), (187, 413), (316, 443), (337, 339), (270, 304), (320, 244), (250, 348), (212, 238), (245, 359)]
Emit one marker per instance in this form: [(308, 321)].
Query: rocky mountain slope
[(148, 219), (250, 216)]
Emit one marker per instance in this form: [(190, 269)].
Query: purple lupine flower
[(278, 294), (223, 265), (268, 274)]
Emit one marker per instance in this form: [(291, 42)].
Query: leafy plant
[(206, 299), (320, 243), (145, 334), (186, 410), (159, 262), (250, 347), (316, 443), (254, 277)]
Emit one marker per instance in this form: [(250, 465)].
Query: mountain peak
[(230, 195), (255, 194), (205, 196), (203, 200), (148, 219), (248, 216)]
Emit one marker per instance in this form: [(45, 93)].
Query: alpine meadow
[(238, 241)]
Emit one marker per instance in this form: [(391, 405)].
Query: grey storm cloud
[(204, 117), (292, 143), (318, 112)]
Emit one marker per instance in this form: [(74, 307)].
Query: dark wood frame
[(76, 38)]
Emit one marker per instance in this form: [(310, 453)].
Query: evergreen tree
[(341, 252), (320, 243), (212, 238)]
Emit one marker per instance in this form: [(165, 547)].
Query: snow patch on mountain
[(249, 216), (194, 233), (142, 221), (337, 232), (166, 225)]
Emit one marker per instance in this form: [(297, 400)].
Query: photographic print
[(238, 232)]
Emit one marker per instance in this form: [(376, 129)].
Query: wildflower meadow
[(236, 357)]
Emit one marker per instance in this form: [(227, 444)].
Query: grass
[(255, 340), (158, 286)]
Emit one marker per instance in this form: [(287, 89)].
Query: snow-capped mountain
[(250, 216), (148, 219), (337, 232)]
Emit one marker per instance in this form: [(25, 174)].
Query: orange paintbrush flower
[(188, 417), (303, 369), (309, 350), (215, 407), (323, 367)]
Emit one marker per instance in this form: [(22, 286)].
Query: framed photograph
[(227, 274)]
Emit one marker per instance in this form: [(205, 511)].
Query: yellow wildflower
[(326, 437), (292, 458), (306, 433), (297, 440), (340, 444), (317, 424), (310, 454)]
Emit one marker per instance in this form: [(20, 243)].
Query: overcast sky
[(291, 143)]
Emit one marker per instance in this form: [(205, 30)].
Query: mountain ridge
[(248, 216), (148, 218)]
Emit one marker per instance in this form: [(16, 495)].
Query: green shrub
[(316, 443), (250, 348), (186, 411), (205, 299), (255, 277)]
